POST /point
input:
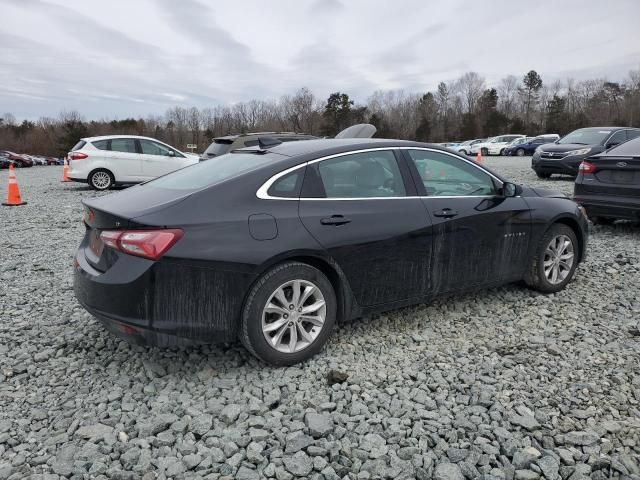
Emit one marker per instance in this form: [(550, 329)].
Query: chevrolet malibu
[(275, 244)]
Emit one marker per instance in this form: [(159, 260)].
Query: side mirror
[(611, 145), (172, 153), (511, 189)]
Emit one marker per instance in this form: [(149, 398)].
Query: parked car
[(528, 145), (54, 161), (225, 144), (19, 161), (565, 155), (448, 144), (275, 245), (608, 184), (465, 147), (494, 145), (4, 160), (103, 162)]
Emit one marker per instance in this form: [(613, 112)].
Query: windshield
[(586, 136), (627, 149), (218, 147), (214, 171)]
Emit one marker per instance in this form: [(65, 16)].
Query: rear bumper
[(624, 208), (166, 303)]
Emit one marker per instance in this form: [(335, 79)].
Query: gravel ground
[(501, 384)]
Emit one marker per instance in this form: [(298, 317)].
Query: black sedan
[(276, 243), (608, 185), (565, 155)]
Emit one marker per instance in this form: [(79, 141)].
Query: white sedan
[(103, 162), (495, 145)]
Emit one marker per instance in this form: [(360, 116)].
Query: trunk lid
[(614, 175)]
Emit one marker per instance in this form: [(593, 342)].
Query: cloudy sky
[(135, 57)]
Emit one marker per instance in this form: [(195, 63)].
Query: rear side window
[(125, 145), (288, 186), (362, 175), (101, 144), (78, 145)]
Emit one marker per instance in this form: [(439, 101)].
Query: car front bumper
[(566, 166)]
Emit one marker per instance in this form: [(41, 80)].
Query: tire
[(602, 220), (463, 151), (520, 152), (542, 279), (101, 179), (543, 175), (502, 153), (484, 152), (265, 292)]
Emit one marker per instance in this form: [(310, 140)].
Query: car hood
[(542, 192), (565, 147)]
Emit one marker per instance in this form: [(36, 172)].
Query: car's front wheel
[(101, 179), (543, 175), (289, 314), (484, 152), (520, 152), (555, 260)]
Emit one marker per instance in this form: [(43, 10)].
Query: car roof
[(266, 134), (109, 137), (332, 145)]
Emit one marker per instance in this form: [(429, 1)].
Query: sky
[(125, 58)]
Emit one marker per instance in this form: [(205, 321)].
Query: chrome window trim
[(263, 195)]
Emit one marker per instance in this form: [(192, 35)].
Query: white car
[(465, 147), (495, 145), (103, 162)]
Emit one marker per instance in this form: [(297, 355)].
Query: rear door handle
[(335, 220), (446, 213)]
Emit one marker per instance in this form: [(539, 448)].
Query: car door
[(159, 159), (362, 209), (480, 236), (124, 160)]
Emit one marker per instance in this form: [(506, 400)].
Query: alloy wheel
[(558, 259), (294, 316), (101, 180)]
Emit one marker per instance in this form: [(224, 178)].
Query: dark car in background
[(528, 146), (565, 155), (19, 161), (608, 184), (275, 245), (4, 160), (225, 144)]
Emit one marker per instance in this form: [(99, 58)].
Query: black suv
[(565, 155), (222, 145)]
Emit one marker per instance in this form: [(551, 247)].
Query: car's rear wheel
[(520, 152), (101, 179), (555, 260), (289, 314), (543, 175), (484, 152)]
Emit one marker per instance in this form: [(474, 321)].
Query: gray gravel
[(502, 384)]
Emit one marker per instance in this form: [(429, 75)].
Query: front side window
[(617, 138), (362, 175), (631, 134), (444, 175), (153, 148), (125, 145)]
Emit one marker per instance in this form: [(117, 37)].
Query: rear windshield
[(214, 171), (78, 145), (586, 136), (218, 147), (627, 149)]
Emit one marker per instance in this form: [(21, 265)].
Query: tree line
[(461, 109)]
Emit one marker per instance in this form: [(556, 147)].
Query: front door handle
[(335, 220), (446, 213)]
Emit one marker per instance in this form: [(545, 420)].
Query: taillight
[(587, 167), (151, 244), (78, 156)]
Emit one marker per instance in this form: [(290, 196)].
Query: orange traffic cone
[(13, 192), (65, 171), (479, 157)]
